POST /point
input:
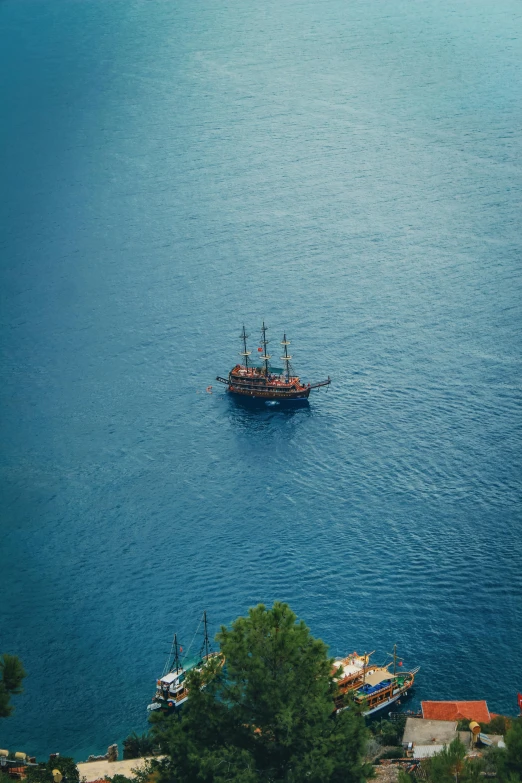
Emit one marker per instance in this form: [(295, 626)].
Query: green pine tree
[(514, 750), (267, 715), (43, 773), (11, 675), (448, 765), (452, 766), (135, 746)]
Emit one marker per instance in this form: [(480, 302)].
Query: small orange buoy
[(209, 389)]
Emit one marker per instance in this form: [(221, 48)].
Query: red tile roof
[(456, 710)]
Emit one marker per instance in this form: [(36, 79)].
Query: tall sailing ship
[(373, 687), (171, 688), (265, 382)]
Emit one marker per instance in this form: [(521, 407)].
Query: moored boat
[(171, 688), (264, 382), (350, 671), (373, 687)]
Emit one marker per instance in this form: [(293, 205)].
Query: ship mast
[(266, 356), (286, 358), (206, 643), (176, 654), (244, 352)]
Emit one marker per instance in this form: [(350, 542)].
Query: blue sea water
[(348, 170)]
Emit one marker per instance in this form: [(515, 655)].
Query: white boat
[(171, 688)]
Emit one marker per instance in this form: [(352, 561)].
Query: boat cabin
[(172, 683), (380, 686)]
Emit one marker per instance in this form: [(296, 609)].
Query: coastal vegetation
[(264, 711), (138, 745), (12, 674), (267, 715), (43, 773), (500, 724), (387, 732)]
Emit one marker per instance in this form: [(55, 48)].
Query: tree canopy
[(267, 715), (11, 675), (43, 773), (448, 765), (136, 746), (514, 750)]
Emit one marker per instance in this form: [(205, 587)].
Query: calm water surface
[(349, 171)]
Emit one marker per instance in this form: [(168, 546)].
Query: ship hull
[(377, 698), (385, 704), (270, 394), (167, 707), (391, 700)]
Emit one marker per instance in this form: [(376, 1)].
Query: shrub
[(499, 725), (11, 675), (392, 753), (136, 746), (43, 773)]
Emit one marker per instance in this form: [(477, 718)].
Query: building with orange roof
[(16, 772), (456, 710)]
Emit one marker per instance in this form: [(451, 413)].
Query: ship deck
[(244, 377)]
